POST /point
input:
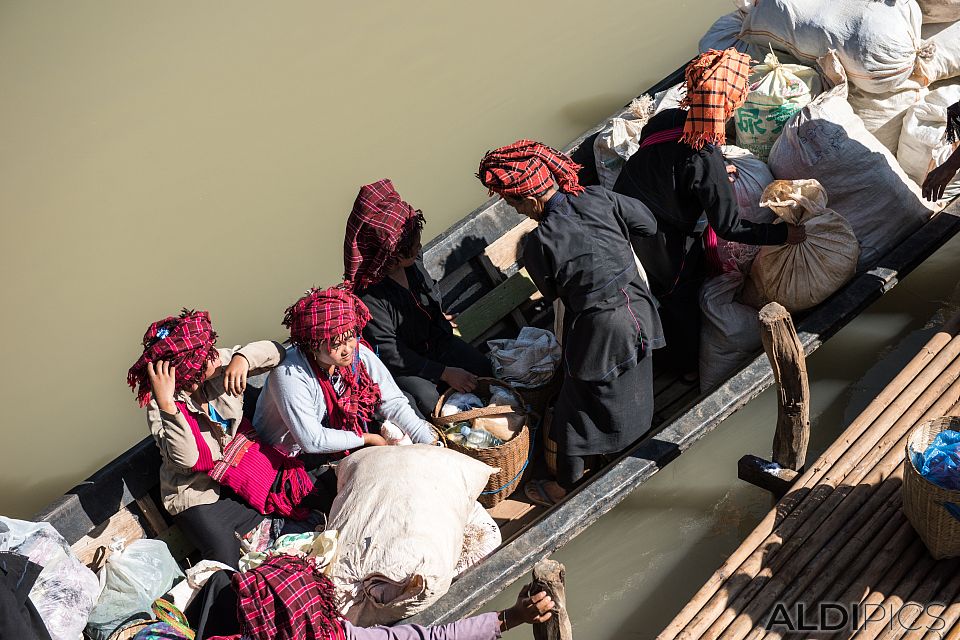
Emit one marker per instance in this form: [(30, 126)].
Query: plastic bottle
[(479, 439)]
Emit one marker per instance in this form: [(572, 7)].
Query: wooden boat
[(475, 262)]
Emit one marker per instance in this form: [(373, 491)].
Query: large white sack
[(619, 139), (882, 113), (751, 178), (878, 43), (945, 62), (725, 34), (729, 330), (799, 276), (777, 91), (400, 513), (935, 11), (922, 143), (826, 141)]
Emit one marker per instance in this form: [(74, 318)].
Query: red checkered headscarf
[(314, 320), (287, 598), (378, 227), (717, 83), (188, 342), (528, 168), (322, 315)]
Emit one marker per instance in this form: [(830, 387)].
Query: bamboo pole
[(789, 364), (914, 575), (914, 605), (818, 523), (929, 620), (951, 629)]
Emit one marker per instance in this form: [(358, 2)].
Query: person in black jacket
[(408, 329), (580, 253), (680, 174)]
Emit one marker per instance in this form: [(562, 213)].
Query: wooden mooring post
[(548, 575), (789, 363)]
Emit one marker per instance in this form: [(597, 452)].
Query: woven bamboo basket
[(540, 398), (923, 501), (510, 457)]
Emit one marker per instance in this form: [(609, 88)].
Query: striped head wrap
[(380, 227), (528, 168), (188, 342), (717, 83)]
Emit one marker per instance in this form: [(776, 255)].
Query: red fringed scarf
[(287, 598), (528, 168), (187, 341), (251, 468), (314, 320), (380, 219), (717, 84)]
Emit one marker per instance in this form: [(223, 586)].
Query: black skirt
[(593, 418)]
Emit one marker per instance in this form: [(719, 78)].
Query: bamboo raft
[(839, 535)]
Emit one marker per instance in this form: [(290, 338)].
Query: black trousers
[(213, 528), (423, 394)]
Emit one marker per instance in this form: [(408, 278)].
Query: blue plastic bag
[(941, 461)]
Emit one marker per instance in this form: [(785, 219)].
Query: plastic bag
[(799, 276), (132, 579), (777, 91), (941, 461), (620, 139), (64, 595), (39, 541), (459, 402)]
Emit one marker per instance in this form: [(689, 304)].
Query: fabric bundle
[(527, 362)]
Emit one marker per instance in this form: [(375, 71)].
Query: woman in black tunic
[(408, 330), (580, 253), (680, 174)]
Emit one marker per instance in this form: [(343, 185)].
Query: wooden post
[(548, 575), (789, 365)]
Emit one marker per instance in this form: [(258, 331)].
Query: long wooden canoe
[(476, 263)]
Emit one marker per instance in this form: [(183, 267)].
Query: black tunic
[(680, 185), (580, 253)]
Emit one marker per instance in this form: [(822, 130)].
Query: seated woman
[(580, 253), (680, 174), (407, 328), (213, 481), (330, 390)]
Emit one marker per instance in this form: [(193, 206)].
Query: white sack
[(401, 514), (882, 113), (527, 362), (481, 537), (936, 11), (945, 62), (878, 43), (922, 144), (725, 33), (729, 330), (826, 141), (751, 179), (777, 91), (799, 276), (619, 140)]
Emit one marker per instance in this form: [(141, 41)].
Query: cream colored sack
[(401, 513), (799, 276)]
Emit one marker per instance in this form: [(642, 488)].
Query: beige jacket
[(181, 488)]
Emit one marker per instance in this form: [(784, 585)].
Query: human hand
[(373, 440), (796, 233), (528, 609), (235, 375), (452, 319), (937, 180), (163, 384), (731, 173), (459, 379)]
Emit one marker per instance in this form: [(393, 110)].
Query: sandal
[(537, 494)]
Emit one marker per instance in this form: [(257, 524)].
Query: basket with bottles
[(489, 425)]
